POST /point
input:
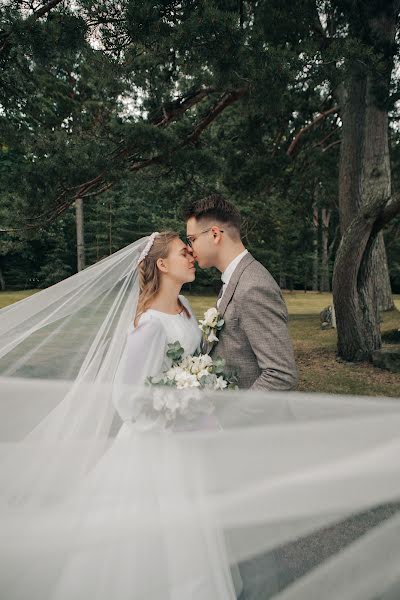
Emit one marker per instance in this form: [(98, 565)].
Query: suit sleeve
[(264, 320)]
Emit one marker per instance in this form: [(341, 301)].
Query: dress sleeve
[(143, 356)]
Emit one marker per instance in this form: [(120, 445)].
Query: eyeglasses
[(192, 238)]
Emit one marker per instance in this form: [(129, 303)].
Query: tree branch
[(226, 100), (331, 145), (391, 210), (325, 138), (89, 188), (7, 44), (333, 242), (45, 9), (306, 128), (179, 106)]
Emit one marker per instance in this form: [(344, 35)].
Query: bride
[(98, 501), (163, 316)]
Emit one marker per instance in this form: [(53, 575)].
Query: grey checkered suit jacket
[(255, 338)]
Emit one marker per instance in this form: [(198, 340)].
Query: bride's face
[(179, 265)]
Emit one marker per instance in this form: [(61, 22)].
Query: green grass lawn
[(7, 298), (315, 349)]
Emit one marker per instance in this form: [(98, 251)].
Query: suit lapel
[(234, 280)]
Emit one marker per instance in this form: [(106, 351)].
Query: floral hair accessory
[(147, 247)]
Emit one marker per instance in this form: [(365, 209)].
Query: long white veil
[(300, 489)]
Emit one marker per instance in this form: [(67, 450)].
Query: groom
[(255, 339)]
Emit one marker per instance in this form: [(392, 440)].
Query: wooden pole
[(80, 238)]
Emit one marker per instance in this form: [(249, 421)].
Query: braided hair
[(150, 275)]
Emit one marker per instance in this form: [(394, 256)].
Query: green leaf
[(219, 365), (175, 352)]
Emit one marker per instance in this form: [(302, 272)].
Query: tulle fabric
[(301, 490)]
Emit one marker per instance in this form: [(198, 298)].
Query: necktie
[(221, 289)]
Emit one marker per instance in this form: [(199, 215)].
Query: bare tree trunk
[(325, 218), (80, 238), (364, 173), (110, 228), (315, 278), (349, 319), (354, 293), (352, 103), (385, 296), (2, 280)]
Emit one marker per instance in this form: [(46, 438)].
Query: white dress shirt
[(227, 274)]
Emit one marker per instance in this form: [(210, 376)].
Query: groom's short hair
[(216, 208)]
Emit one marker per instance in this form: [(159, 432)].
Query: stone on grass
[(328, 318)]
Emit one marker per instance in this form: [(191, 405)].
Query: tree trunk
[(315, 279), (365, 175), (352, 103), (385, 297), (2, 280), (110, 228), (80, 238), (349, 317), (325, 217), (354, 293)]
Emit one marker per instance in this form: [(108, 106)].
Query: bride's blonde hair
[(150, 275)]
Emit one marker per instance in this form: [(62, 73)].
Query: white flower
[(203, 373), (170, 374), (205, 361), (197, 365), (212, 337), (185, 380), (179, 372), (186, 362), (220, 383), (210, 317)]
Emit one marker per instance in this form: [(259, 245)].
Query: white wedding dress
[(164, 562)]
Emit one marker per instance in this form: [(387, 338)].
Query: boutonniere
[(210, 325)]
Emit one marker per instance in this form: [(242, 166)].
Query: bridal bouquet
[(178, 390)]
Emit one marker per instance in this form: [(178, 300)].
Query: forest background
[(115, 115)]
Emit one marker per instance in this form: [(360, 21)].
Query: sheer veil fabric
[(310, 480)]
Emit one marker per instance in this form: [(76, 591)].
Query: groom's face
[(203, 241)]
